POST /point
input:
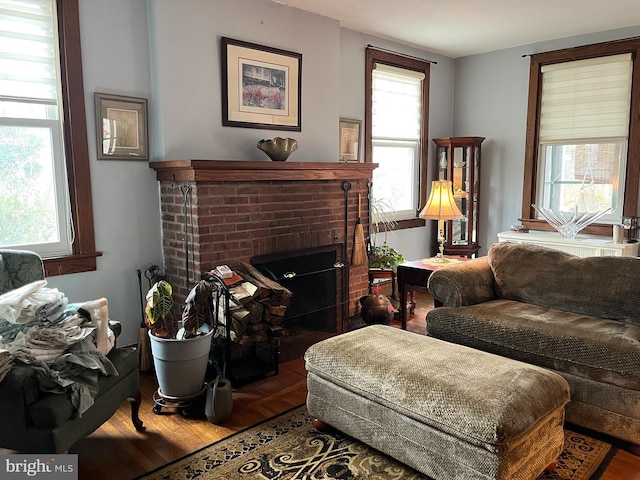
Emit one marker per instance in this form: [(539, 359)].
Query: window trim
[(83, 258), (532, 137), (373, 56)]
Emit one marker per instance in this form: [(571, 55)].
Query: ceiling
[(457, 28)]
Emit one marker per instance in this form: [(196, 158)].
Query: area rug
[(287, 447)]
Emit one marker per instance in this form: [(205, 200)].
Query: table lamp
[(441, 206)]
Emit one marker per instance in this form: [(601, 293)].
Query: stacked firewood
[(257, 306)]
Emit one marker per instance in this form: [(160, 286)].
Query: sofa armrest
[(115, 327), (464, 283)]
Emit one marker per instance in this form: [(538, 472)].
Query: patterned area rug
[(287, 447)]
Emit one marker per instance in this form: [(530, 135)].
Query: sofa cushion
[(602, 350), (52, 409), (604, 287)]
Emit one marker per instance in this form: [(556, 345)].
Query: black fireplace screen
[(315, 278)]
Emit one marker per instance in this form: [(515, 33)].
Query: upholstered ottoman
[(448, 411)]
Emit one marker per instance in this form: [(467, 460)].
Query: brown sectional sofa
[(579, 317)]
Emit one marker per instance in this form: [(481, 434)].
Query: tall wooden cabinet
[(458, 160)]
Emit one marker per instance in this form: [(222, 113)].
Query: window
[(33, 194), (580, 153), (45, 194), (396, 128)]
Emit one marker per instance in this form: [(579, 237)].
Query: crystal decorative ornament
[(568, 224)]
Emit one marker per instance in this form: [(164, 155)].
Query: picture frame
[(350, 135), (122, 131), (261, 86)]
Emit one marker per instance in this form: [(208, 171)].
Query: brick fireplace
[(236, 210)]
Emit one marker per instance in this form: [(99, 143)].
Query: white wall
[(491, 101), (185, 39), (115, 52)]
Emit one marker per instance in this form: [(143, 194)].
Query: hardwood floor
[(116, 450)]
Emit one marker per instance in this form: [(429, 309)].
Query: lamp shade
[(441, 205)]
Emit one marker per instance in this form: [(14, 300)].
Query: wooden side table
[(417, 273)]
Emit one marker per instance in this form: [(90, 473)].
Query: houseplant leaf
[(159, 310)]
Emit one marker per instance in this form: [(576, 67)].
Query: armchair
[(35, 421)]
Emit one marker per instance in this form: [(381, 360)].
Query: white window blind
[(396, 103), (396, 128), (586, 99), (28, 53)]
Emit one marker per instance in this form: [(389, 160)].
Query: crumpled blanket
[(32, 300), (48, 343), (58, 343), (33, 304), (77, 371)]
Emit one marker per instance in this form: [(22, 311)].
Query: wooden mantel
[(241, 170)]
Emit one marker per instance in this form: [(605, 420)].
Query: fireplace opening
[(315, 277)]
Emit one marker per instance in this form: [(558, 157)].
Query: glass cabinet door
[(458, 160), (461, 177)]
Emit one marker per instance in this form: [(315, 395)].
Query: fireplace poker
[(369, 216), (186, 190), (145, 361), (346, 186)]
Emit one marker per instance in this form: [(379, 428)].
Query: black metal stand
[(221, 323), (182, 404), (245, 368), (263, 358)]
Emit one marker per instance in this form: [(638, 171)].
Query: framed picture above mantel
[(261, 86)]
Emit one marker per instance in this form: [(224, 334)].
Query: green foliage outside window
[(27, 205)]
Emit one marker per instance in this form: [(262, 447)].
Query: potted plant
[(382, 256), (385, 256), (180, 355)]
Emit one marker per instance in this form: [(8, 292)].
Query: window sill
[(79, 263), (604, 229), (411, 223)]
